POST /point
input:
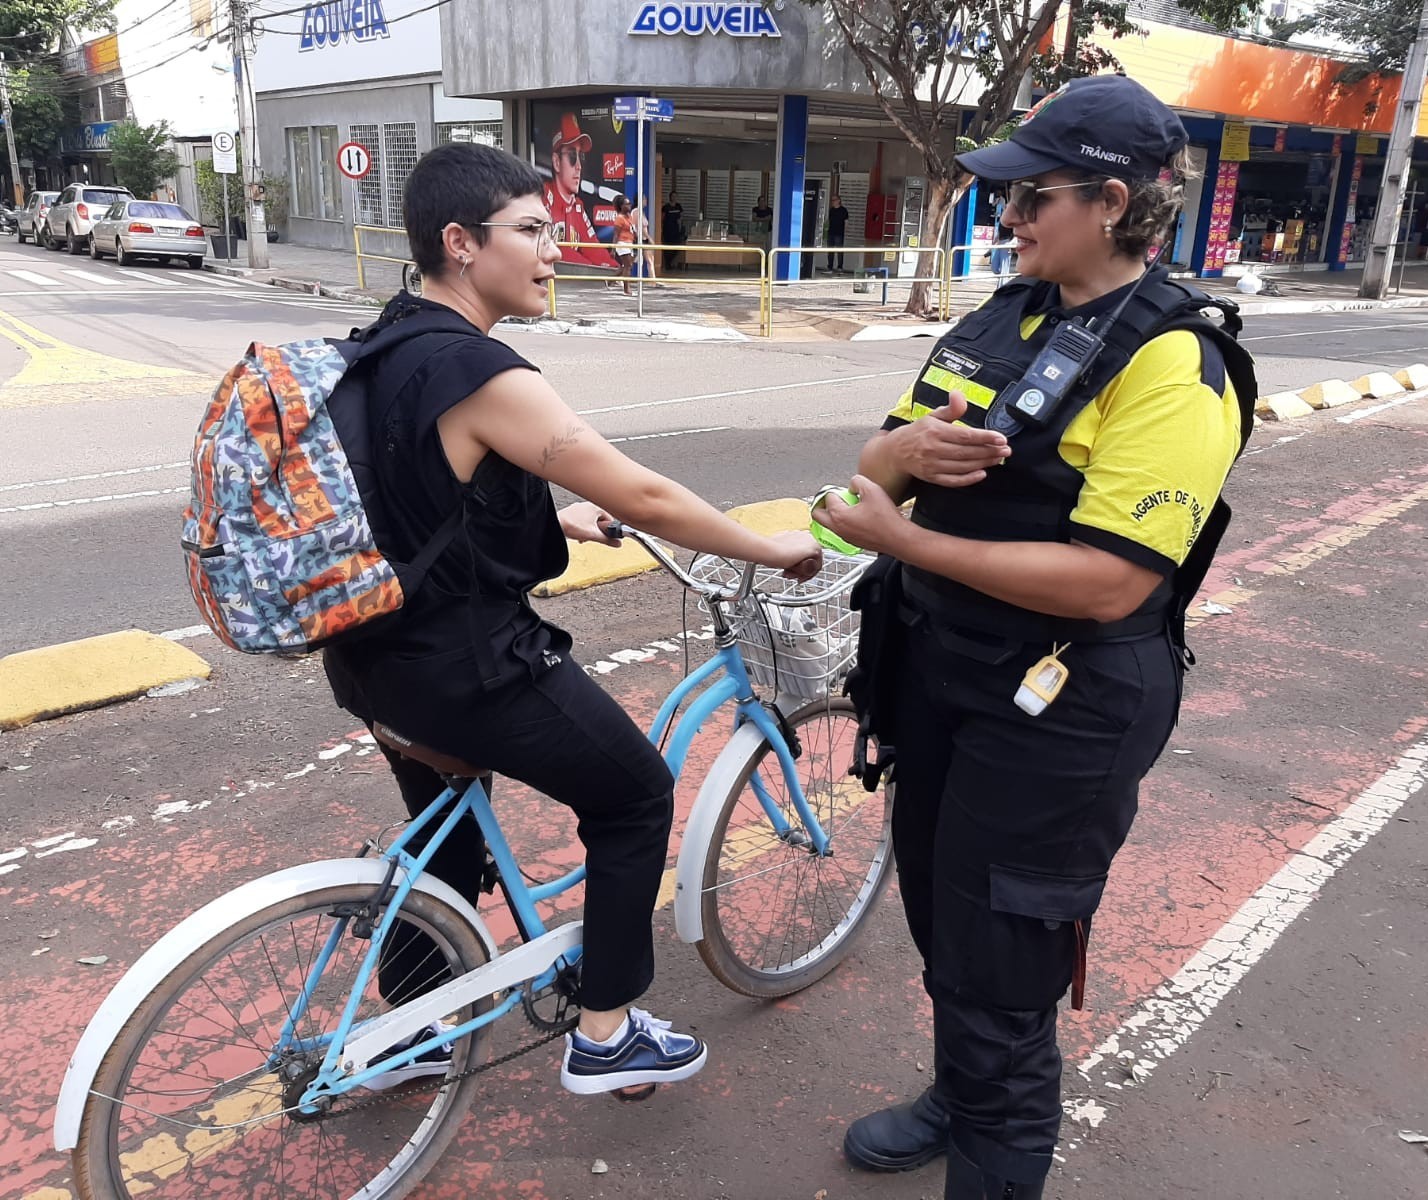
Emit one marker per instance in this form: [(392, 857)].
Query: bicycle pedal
[(625, 1097)]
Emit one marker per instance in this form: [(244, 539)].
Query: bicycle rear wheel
[(185, 1105), (778, 916)]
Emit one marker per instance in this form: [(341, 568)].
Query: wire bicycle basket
[(798, 639)]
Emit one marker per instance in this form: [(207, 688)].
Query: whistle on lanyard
[(1043, 682)]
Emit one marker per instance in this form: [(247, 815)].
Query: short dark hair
[(464, 182)]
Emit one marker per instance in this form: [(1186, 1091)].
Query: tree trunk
[(942, 197)]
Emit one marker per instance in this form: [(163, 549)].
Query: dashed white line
[(14, 508), (64, 479), (188, 631), (757, 391), (1360, 413)]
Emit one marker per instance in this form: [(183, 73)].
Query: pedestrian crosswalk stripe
[(154, 278), (208, 277), (106, 280), (40, 280)]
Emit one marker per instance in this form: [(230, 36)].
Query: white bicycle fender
[(195, 931), (699, 829)]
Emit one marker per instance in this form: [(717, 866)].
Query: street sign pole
[(640, 209), (227, 224)]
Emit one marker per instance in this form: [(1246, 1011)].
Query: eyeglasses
[(542, 231), (1024, 194)]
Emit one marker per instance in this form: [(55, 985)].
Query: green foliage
[(39, 115), (141, 156), (33, 27), (1384, 32), (210, 194)]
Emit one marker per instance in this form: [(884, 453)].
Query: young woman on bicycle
[(469, 669)]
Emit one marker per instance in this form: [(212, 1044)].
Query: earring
[(1109, 228), (466, 262)]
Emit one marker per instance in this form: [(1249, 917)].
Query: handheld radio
[(1062, 363)]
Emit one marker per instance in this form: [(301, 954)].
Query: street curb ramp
[(1332, 393), (53, 680)]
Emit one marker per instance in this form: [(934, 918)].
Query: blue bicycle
[(247, 1052)]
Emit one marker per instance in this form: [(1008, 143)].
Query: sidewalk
[(825, 307)]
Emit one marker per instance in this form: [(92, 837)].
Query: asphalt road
[(1283, 1059)]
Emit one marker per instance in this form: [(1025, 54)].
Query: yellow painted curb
[(1377, 385), (1329, 394), (36, 684), (592, 564), (1414, 378), (1282, 406)]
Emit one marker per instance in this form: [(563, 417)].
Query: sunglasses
[(1024, 194), (572, 156)]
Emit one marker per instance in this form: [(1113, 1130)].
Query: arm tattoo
[(560, 443)]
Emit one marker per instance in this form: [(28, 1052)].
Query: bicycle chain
[(418, 1088)]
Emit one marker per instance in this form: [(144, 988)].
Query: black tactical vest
[(1030, 496)]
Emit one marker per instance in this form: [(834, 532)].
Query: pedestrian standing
[(837, 232), (1032, 610), (672, 228), (624, 239)]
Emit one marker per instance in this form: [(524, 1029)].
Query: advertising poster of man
[(581, 152)]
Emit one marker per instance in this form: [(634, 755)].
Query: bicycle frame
[(348, 1050)]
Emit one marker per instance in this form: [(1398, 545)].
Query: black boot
[(967, 1181), (899, 1138)]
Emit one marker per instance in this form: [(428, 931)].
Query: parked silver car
[(131, 229), (32, 216), (73, 214)]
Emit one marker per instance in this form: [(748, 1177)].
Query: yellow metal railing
[(683, 280), (364, 255), (889, 254)]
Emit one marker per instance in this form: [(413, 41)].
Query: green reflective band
[(949, 381)]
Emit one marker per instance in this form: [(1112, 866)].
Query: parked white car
[(32, 216), (131, 229), (72, 215)]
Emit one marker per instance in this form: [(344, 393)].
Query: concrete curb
[(69, 677), (1332, 393)]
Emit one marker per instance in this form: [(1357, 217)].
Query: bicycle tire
[(778, 872), (411, 278), (163, 1159)]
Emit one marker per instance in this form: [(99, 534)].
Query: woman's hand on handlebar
[(797, 554), (586, 522)]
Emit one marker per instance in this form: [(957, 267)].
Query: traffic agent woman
[(1059, 546)]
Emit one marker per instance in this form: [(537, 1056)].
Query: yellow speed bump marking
[(592, 564), (36, 684), (59, 373)]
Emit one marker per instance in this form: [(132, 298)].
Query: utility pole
[(248, 134), (1396, 167), (17, 185)]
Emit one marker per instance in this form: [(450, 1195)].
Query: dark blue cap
[(1103, 123)]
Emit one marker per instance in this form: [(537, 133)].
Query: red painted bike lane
[(1307, 691)]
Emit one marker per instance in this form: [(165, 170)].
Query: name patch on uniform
[(946, 378)]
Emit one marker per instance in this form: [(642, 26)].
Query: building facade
[(364, 71)]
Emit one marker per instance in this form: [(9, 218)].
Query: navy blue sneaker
[(645, 1053), (433, 1062)]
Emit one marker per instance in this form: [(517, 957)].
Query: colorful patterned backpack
[(278, 534)]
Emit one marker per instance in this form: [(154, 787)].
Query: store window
[(488, 133), (302, 202), (399, 156), (313, 178)]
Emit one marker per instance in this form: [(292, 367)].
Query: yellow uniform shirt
[(1153, 448)]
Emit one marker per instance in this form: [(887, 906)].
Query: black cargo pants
[(1004, 826)]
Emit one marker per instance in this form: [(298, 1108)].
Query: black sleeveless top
[(509, 542)]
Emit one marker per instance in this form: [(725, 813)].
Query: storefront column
[(1344, 190), (1207, 209), (789, 180), (960, 230)]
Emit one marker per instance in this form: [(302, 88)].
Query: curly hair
[(1152, 207)]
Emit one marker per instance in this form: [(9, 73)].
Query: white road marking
[(756, 391), (188, 631), (11, 855), (1168, 1019), (52, 841), (220, 280), (130, 272), (37, 280), (1360, 413), (106, 280), (93, 500), (647, 437), (1365, 328), (63, 479), (74, 843)]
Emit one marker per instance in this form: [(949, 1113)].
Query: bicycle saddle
[(446, 765)]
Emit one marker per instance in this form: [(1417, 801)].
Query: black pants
[(1004, 826), (566, 737), (835, 239)]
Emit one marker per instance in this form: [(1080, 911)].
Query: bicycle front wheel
[(191, 1103), (777, 915)]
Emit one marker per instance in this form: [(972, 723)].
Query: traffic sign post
[(225, 163), (354, 160), (642, 109)]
